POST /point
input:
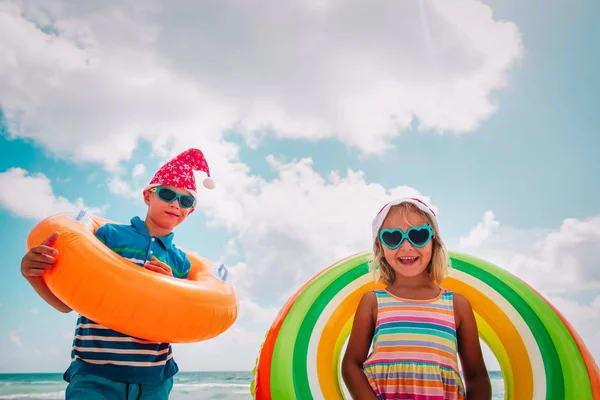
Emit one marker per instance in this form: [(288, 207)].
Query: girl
[(418, 329)]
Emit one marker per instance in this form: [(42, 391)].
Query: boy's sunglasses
[(417, 236), (169, 195)]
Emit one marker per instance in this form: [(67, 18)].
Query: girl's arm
[(358, 348), (477, 380)]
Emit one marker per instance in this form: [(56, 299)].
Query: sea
[(187, 386)]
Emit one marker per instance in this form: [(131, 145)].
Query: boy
[(106, 364)]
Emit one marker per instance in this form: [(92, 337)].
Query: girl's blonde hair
[(438, 266)]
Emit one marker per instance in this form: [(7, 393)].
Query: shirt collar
[(140, 227)]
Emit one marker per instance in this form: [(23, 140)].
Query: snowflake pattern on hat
[(179, 172)]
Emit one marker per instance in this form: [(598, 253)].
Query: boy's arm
[(34, 264), (38, 284), (40, 258)]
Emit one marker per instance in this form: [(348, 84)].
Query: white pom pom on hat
[(208, 183)]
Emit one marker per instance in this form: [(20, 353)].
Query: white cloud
[(113, 85), (138, 170), (129, 188), (346, 71), (15, 339), (338, 70), (556, 261), (121, 187), (481, 232), (280, 244), (568, 258), (253, 314), (41, 201)]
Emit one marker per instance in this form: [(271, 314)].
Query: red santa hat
[(179, 172), (380, 217)]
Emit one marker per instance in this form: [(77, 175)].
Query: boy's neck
[(154, 229)]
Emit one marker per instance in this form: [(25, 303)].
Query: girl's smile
[(408, 260)]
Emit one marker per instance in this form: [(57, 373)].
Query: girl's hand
[(477, 380), (357, 350), (157, 266)]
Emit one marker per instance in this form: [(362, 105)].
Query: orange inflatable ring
[(112, 291)]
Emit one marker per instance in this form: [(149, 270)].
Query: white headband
[(380, 217)]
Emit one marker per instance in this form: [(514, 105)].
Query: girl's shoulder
[(460, 301), (462, 307), (369, 297), (367, 306)]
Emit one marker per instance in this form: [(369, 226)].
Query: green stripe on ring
[(566, 373), (300, 367)]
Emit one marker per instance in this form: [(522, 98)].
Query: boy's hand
[(157, 266), (40, 258)]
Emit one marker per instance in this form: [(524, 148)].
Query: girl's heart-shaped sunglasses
[(417, 236)]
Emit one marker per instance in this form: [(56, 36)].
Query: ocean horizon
[(228, 385)]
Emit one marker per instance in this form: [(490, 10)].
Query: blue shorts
[(94, 387)]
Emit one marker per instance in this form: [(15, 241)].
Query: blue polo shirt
[(102, 351)]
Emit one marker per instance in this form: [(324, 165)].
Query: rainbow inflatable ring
[(540, 354)]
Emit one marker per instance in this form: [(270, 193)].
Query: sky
[(311, 115)]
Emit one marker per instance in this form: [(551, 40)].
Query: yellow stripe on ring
[(490, 337), (337, 352), (331, 336), (508, 337)]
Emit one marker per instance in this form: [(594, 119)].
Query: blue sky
[(532, 162)]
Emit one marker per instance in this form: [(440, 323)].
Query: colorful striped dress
[(415, 349)]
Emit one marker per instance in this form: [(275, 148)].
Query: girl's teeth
[(407, 259)]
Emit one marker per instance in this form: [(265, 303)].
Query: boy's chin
[(168, 222), (171, 224)]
